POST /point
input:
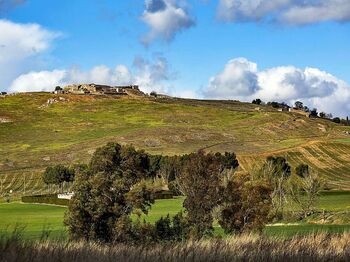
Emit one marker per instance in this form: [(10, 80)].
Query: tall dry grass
[(318, 247)]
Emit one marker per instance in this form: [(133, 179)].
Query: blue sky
[(214, 49)]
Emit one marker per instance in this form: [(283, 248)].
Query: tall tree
[(276, 170), (200, 181), (305, 190), (245, 204), (107, 193)]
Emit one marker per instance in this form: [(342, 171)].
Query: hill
[(41, 129)]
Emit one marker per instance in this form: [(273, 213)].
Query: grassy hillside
[(35, 134)]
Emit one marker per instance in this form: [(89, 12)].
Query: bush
[(163, 194), (45, 199)]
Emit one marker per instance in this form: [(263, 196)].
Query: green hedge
[(45, 199)]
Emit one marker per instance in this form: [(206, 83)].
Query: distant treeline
[(298, 105)]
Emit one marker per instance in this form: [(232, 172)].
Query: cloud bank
[(242, 80), (21, 47), (165, 18), (149, 75), (294, 12)]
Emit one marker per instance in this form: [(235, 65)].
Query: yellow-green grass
[(36, 218), (328, 159), (36, 136)]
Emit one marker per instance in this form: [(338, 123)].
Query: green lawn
[(335, 201), (36, 218), (33, 218)]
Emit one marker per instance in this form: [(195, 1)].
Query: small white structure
[(65, 196)]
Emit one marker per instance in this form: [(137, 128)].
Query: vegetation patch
[(45, 199)]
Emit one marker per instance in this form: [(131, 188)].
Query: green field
[(33, 218), (34, 135), (36, 218)]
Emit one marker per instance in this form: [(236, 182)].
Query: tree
[(200, 181), (322, 115), (274, 104), (276, 171), (257, 101), (245, 204), (57, 175), (107, 193), (299, 105), (154, 93), (58, 88), (305, 190), (302, 170), (336, 120), (313, 112)]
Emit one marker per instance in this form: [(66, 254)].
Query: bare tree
[(305, 191)]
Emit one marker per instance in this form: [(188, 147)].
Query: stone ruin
[(99, 89)]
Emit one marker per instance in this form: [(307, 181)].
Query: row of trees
[(58, 175), (302, 189), (115, 185), (300, 106)]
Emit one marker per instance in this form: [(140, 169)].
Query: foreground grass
[(38, 218), (318, 247)]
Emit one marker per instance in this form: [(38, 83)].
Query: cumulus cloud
[(149, 75), (242, 80), (20, 48), (239, 73), (297, 12), (165, 18)]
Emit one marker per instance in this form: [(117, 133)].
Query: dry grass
[(320, 247)]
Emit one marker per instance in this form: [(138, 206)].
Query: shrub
[(257, 101), (45, 199)]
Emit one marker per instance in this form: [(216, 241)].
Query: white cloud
[(165, 18), (242, 80), (325, 10), (297, 12), (20, 48), (38, 81), (239, 73), (149, 75)]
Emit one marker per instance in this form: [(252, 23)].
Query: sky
[(275, 50)]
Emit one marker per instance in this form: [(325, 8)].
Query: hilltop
[(35, 134)]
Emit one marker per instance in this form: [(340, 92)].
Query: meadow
[(36, 220), (36, 134)]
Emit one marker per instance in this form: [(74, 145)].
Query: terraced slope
[(35, 134), (330, 159)]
